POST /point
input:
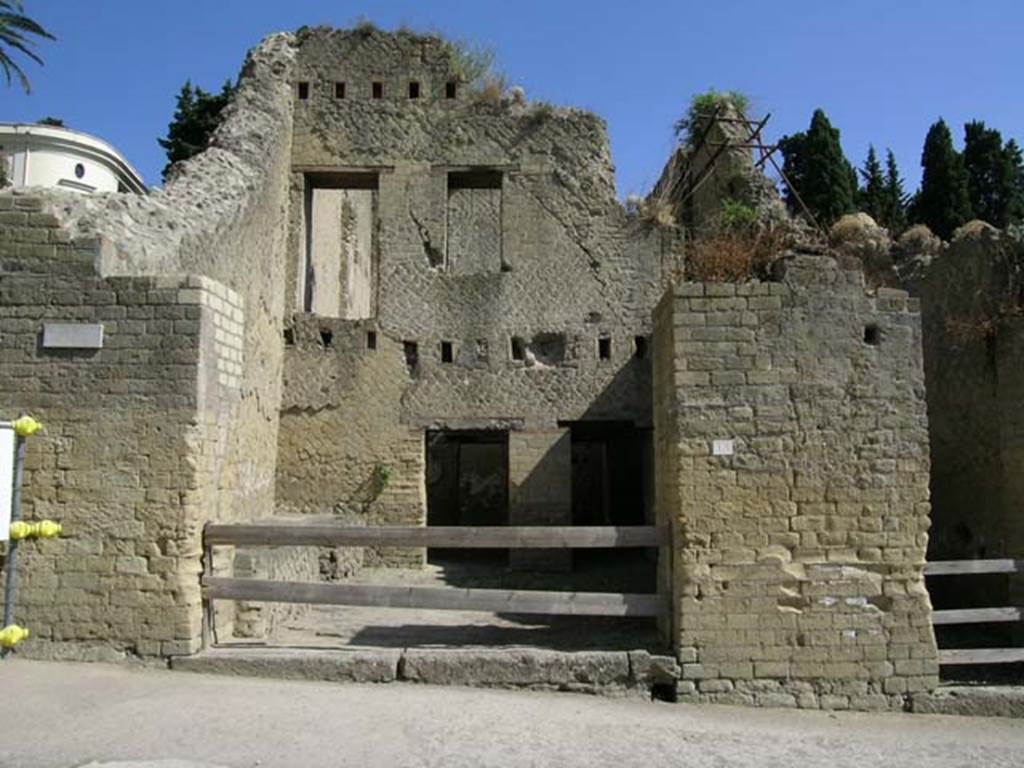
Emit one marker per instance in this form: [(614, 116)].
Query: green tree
[(872, 194), (894, 217), (942, 202), (1013, 167), (196, 117), (818, 172), (995, 175), (988, 186), (16, 33)]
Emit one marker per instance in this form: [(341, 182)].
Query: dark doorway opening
[(612, 484), (467, 484)]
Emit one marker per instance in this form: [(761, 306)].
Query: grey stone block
[(977, 701), (355, 666), (584, 670)]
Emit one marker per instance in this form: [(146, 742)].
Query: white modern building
[(49, 156)]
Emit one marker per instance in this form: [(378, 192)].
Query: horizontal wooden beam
[(981, 656), (967, 567), (976, 615), (438, 598), (455, 537)]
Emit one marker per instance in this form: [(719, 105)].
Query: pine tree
[(872, 196), (814, 163), (942, 203), (894, 217), (196, 117)]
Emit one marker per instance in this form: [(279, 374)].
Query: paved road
[(59, 715)]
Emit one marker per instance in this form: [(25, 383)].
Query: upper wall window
[(450, 89), (340, 264), (377, 90), (339, 90), (414, 90), (304, 90), (474, 222)]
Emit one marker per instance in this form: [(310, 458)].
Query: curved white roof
[(82, 143)]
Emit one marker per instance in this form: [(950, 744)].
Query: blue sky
[(883, 70)]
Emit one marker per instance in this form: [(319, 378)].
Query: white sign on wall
[(722, 447), (6, 479)]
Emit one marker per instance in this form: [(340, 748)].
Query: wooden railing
[(951, 656), (435, 598)]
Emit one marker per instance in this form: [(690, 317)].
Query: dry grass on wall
[(733, 256)]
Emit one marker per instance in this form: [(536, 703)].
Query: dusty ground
[(345, 626), (61, 715)]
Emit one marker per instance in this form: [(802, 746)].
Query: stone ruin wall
[(798, 558), (550, 258), (174, 421), (797, 564), (973, 358)]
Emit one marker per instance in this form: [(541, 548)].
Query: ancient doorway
[(467, 485), (612, 484)]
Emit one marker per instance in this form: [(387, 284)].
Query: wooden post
[(208, 631)]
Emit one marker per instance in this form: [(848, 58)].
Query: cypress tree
[(988, 184), (872, 195), (942, 203), (814, 163), (1013, 169), (895, 216), (196, 117)]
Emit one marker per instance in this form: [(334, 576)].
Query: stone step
[(600, 672), (349, 666)]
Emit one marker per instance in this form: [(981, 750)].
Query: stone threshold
[(973, 700), (609, 673)]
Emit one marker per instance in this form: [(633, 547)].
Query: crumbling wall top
[(176, 229)]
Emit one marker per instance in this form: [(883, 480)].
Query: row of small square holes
[(518, 349), (872, 336), (377, 90)]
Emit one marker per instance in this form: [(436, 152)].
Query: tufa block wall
[(343, 446), (494, 221), (798, 556), (131, 461), (187, 423), (973, 358)]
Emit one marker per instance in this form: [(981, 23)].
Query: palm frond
[(16, 31), (25, 24), (21, 45)]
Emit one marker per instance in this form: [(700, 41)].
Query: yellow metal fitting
[(26, 426), (11, 635), (44, 529)]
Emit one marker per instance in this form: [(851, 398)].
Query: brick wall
[(174, 422), (130, 460), (799, 550)]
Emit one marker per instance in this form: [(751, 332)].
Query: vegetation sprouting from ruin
[(473, 65), (737, 246), (703, 107)]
